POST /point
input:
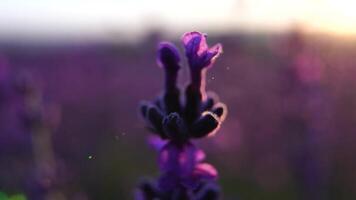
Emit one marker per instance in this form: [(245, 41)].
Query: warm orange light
[(333, 16)]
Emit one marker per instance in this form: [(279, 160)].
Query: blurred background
[(73, 72)]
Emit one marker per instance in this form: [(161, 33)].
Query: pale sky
[(90, 18)]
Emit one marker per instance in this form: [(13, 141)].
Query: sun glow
[(127, 16), (334, 16)]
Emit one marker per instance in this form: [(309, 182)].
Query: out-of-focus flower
[(39, 120), (4, 70)]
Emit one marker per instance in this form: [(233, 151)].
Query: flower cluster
[(178, 120)]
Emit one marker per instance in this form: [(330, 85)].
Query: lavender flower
[(184, 175), (44, 181), (4, 75)]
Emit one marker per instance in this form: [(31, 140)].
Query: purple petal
[(209, 57), (178, 159), (195, 43), (156, 142), (188, 159), (192, 47), (202, 172), (215, 51), (175, 163), (179, 165), (199, 155), (168, 158), (168, 55), (205, 171), (197, 51)]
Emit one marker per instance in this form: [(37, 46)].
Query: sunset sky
[(87, 18)]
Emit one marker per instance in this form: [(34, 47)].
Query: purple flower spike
[(183, 174)]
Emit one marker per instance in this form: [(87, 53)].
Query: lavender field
[(70, 126)]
